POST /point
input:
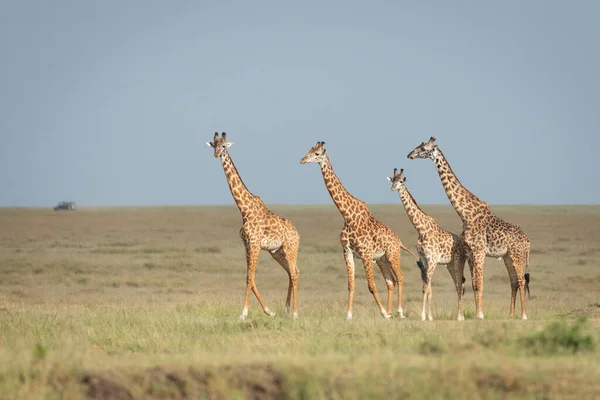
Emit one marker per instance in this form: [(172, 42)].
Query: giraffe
[(435, 246), (485, 234), (363, 236), (261, 230)]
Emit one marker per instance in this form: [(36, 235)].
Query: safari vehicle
[(65, 205)]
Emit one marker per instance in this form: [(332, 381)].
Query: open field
[(143, 303)]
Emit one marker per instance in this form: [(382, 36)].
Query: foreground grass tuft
[(561, 337)]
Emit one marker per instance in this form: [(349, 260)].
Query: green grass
[(155, 314)]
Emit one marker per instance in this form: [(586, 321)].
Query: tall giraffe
[(435, 246), (484, 233), (364, 236), (261, 230)]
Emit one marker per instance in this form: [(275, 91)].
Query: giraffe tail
[(403, 247), (423, 271), (527, 277), (419, 263)]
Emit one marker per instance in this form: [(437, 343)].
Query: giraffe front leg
[(252, 252), (476, 265), (424, 310), (349, 258), (367, 260), (424, 266), (432, 263)]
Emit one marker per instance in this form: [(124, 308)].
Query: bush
[(561, 338)]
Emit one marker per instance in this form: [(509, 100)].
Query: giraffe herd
[(363, 236)]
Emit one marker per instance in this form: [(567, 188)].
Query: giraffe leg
[(349, 258), (476, 261), (429, 295), (514, 264), (286, 256), (457, 269), (252, 252), (279, 256), (426, 285), (424, 311), (367, 260), (390, 281), (431, 264), (393, 260)]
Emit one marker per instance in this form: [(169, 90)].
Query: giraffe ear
[(390, 179), (228, 144), (210, 144), (404, 180)]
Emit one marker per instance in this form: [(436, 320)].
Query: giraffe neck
[(417, 216), (239, 191), (347, 204), (464, 202)]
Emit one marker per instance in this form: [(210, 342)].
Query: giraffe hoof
[(242, 317), (349, 316), (423, 317), (480, 315), (430, 318), (295, 316), (269, 312), (387, 316), (524, 317), (460, 318)]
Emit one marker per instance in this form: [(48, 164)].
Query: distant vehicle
[(65, 205)]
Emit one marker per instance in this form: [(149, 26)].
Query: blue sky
[(110, 103)]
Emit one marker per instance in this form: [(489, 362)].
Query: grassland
[(143, 303)]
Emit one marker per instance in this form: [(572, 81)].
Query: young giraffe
[(435, 246), (364, 236), (483, 232), (261, 229)]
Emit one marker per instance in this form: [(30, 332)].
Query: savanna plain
[(143, 303)]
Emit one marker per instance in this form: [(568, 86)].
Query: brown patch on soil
[(499, 382), (255, 381), (590, 312), (105, 386)]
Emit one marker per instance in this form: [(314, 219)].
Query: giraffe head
[(424, 150), (219, 144), (315, 155), (397, 179)]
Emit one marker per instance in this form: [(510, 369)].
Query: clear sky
[(110, 102)]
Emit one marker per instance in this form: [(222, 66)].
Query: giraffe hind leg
[(514, 262), (393, 260), (286, 256), (390, 281), (367, 260)]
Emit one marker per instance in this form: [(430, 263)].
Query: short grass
[(132, 303)]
